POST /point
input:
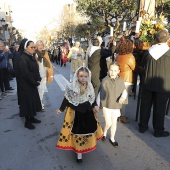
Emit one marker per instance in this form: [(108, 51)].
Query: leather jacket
[(127, 66)]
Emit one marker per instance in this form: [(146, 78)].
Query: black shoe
[(104, 138), (161, 134), (43, 110), (10, 88), (34, 120), (115, 144), (79, 160), (142, 130), (29, 125), (9, 91)]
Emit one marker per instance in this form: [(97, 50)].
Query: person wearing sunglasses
[(29, 81)]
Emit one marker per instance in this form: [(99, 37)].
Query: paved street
[(23, 149)]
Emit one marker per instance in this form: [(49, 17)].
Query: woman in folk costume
[(45, 69), (80, 130)]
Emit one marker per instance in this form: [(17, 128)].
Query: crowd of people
[(33, 69), (59, 54), (6, 68), (95, 85)]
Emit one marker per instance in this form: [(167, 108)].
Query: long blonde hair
[(39, 42)]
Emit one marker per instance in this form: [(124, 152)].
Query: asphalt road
[(23, 149)]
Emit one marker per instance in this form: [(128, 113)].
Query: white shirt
[(42, 69)]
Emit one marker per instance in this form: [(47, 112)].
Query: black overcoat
[(29, 77), (157, 73)]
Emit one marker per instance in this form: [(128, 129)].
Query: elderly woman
[(45, 68), (29, 81), (127, 65)]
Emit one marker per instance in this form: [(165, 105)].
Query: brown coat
[(127, 65), (50, 71)]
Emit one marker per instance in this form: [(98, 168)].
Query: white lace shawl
[(72, 91)]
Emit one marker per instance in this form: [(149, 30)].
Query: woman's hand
[(122, 100), (58, 111), (4, 51), (96, 109), (51, 77)]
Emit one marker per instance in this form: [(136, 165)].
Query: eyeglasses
[(32, 47)]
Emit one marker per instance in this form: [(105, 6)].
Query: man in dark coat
[(156, 85), (96, 56)]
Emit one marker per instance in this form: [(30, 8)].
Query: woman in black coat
[(29, 80), (16, 57)]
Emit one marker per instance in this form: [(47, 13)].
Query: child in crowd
[(80, 129), (112, 95)]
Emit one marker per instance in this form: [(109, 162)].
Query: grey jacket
[(110, 92)]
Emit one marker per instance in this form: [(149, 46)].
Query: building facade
[(7, 32)]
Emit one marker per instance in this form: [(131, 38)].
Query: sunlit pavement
[(23, 149)]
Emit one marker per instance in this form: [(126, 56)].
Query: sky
[(32, 15)]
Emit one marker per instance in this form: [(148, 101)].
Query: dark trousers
[(18, 88), (57, 59), (159, 102), (61, 62), (4, 79)]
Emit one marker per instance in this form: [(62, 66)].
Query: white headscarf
[(25, 45), (72, 91)]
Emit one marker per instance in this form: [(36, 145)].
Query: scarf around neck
[(41, 57)]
